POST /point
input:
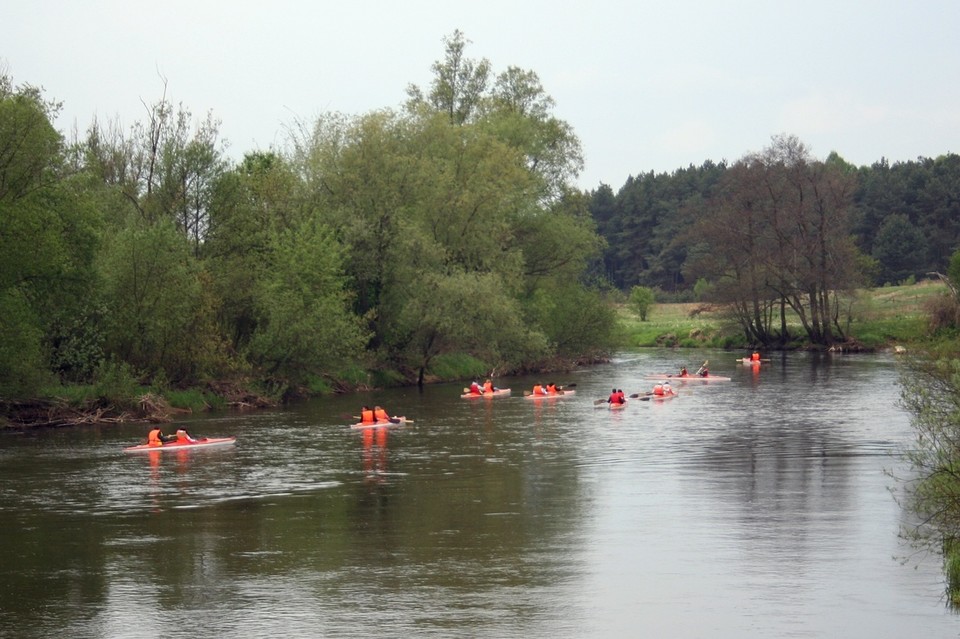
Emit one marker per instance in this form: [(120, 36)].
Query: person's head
[(613, 390)]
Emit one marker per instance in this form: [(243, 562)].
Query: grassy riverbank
[(878, 318)]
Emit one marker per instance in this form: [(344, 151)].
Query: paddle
[(640, 396), (702, 366)]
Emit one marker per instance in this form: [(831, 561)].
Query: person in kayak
[(380, 415), (683, 372), (475, 388), (755, 357), (658, 389), (156, 437), (616, 397), (539, 389), (488, 387), (667, 389), (183, 437), (704, 372), (552, 389), (367, 415)]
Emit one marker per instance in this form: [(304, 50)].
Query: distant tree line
[(373, 242), (779, 234)]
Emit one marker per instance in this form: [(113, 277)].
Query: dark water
[(759, 507)]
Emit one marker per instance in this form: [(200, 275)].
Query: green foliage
[(194, 400), (953, 271), (701, 290), (575, 320), (116, 384), (899, 248), (304, 325), (21, 369), (153, 293), (641, 299), (454, 366)]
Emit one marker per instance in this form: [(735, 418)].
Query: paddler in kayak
[(156, 437), (475, 388), (616, 397), (183, 437), (380, 415), (539, 390), (683, 372), (552, 389), (488, 387), (704, 372), (367, 416)]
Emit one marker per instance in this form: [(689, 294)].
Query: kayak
[(381, 424), (563, 393), (500, 392), (746, 361), (658, 398), (689, 378), (206, 442), (615, 406)]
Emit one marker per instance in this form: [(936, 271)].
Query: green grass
[(875, 318)]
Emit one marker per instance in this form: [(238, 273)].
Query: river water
[(759, 507)]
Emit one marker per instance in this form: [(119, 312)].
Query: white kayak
[(206, 442)]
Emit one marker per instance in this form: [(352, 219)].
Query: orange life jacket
[(183, 437), (381, 415), (755, 357), (488, 387), (551, 389), (153, 438), (658, 389), (475, 389), (366, 417), (538, 390)]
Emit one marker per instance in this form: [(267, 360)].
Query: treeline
[(779, 235), (379, 242)]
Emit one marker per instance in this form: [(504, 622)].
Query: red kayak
[(206, 442)]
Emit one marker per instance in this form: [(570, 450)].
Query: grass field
[(875, 318)]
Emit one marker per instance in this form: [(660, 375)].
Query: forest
[(780, 234), (402, 245)]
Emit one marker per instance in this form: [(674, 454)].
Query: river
[(758, 507)]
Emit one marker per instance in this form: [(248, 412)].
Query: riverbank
[(882, 318)]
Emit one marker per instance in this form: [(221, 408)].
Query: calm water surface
[(759, 507)]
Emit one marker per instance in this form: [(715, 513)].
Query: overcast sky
[(647, 86)]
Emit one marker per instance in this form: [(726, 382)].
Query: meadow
[(873, 319)]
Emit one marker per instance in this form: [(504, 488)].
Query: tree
[(899, 248), (458, 84), (305, 327), (641, 299), (778, 238)]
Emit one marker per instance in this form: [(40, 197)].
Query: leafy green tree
[(459, 83), (304, 326), (641, 300), (47, 238), (152, 289)]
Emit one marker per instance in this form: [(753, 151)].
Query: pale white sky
[(646, 85)]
